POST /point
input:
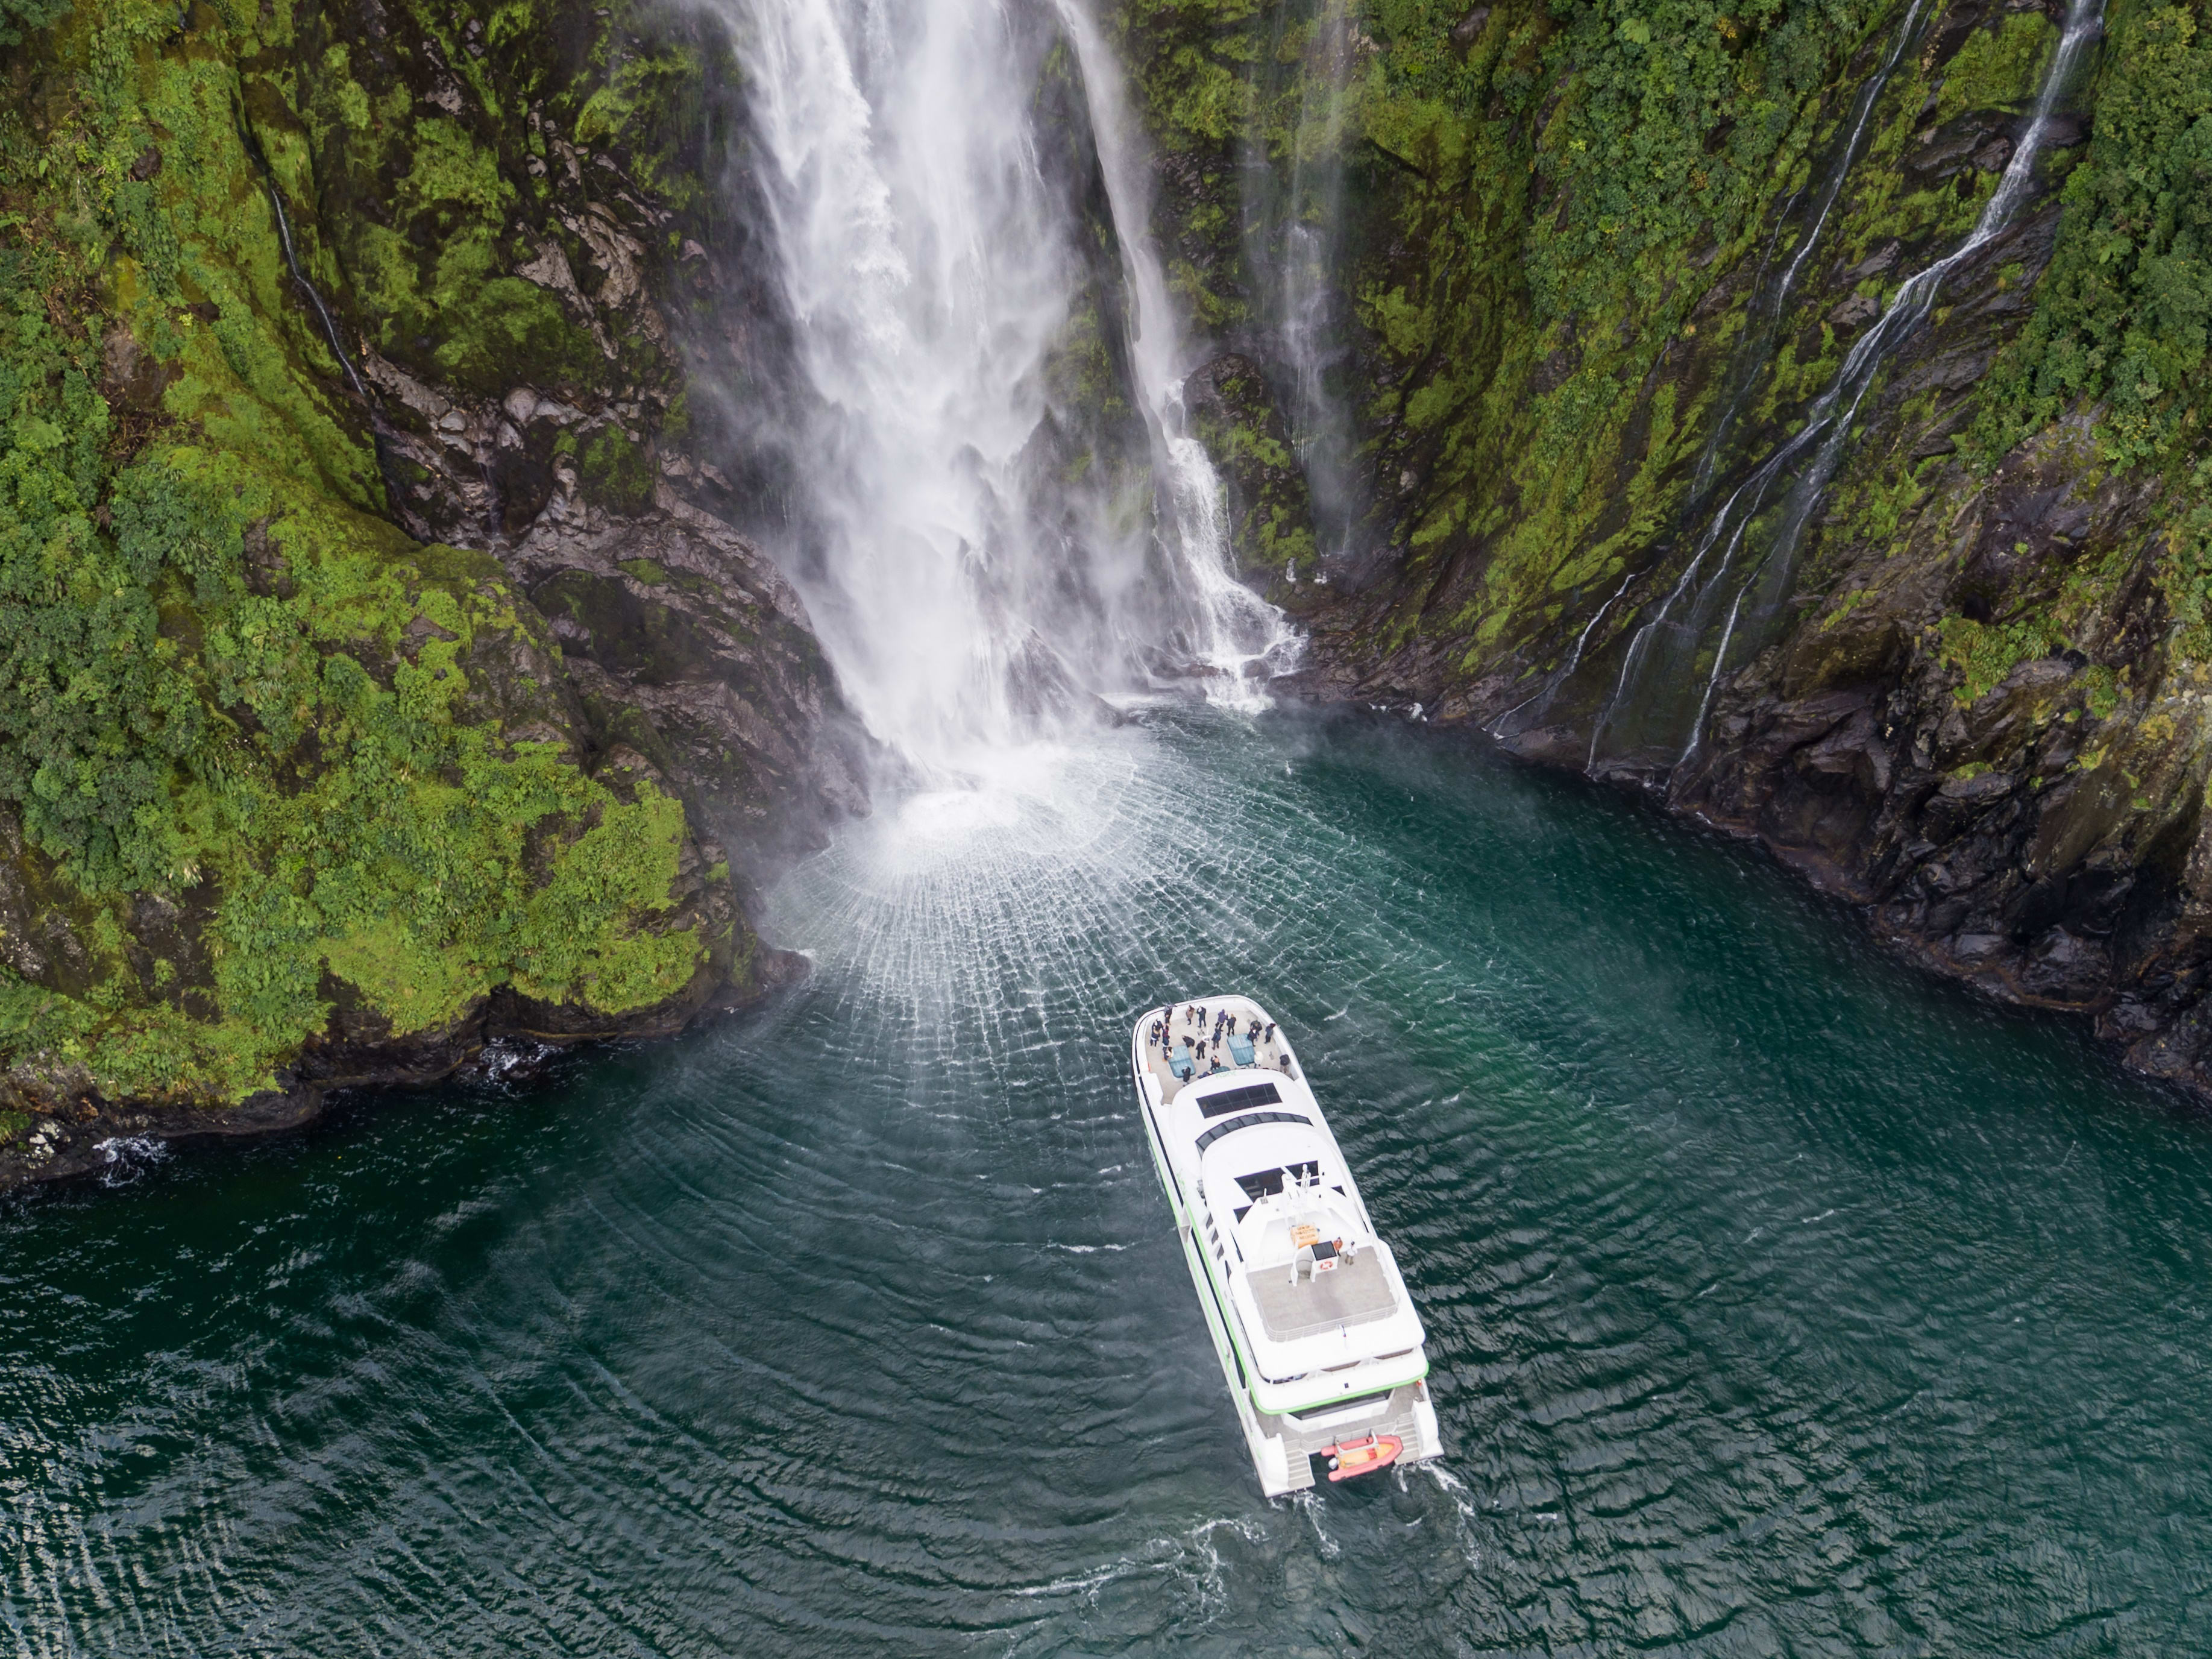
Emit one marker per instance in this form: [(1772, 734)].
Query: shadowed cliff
[(1608, 279), (382, 682)]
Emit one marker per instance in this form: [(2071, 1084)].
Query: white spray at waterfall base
[(966, 592)]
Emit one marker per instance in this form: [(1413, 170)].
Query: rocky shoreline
[(507, 1038), (1955, 667)]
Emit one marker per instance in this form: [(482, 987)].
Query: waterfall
[(931, 265), (1308, 292), (1771, 291), (1231, 629), (315, 298), (1772, 294), (1746, 548)]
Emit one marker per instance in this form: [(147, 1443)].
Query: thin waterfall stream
[(1772, 289), (315, 298), (1231, 628), (1793, 480), (1770, 299), (1299, 235)]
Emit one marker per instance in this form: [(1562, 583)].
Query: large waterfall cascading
[(1747, 548), (930, 266), (925, 276)]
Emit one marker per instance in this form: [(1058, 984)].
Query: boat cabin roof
[(1312, 1282)]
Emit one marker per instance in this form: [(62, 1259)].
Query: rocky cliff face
[(386, 390), (383, 676), (1595, 270)]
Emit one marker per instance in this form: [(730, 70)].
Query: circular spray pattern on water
[(1777, 1299)]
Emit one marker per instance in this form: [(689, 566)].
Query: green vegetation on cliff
[(1560, 214), (1651, 125), (1544, 196), (261, 755), (2122, 315)]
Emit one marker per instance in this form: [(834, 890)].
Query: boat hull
[(1285, 1447)]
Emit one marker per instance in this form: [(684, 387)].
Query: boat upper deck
[(1317, 1333), (1195, 1039), (1293, 1307), (1270, 1206)]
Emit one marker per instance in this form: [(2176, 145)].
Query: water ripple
[(1779, 1300)]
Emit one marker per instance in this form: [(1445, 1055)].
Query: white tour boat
[(1319, 1342)]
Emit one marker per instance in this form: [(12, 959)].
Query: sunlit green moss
[(234, 686), (1998, 68)]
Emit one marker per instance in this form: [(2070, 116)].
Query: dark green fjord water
[(1780, 1300)]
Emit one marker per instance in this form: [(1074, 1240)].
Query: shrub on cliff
[(2122, 315), (265, 752)]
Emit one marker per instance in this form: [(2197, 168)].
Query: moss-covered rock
[(290, 796), (1971, 693), (1269, 504), (616, 471)]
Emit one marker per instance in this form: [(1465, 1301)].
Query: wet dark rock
[(1856, 311), (2067, 130), (1960, 143), (1881, 259), (683, 642), (133, 378)]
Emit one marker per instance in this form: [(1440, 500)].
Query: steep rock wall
[(382, 679), (1597, 264)]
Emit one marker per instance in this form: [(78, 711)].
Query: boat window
[(1271, 1180), (1257, 1187), (1249, 1121), (1236, 1100)]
